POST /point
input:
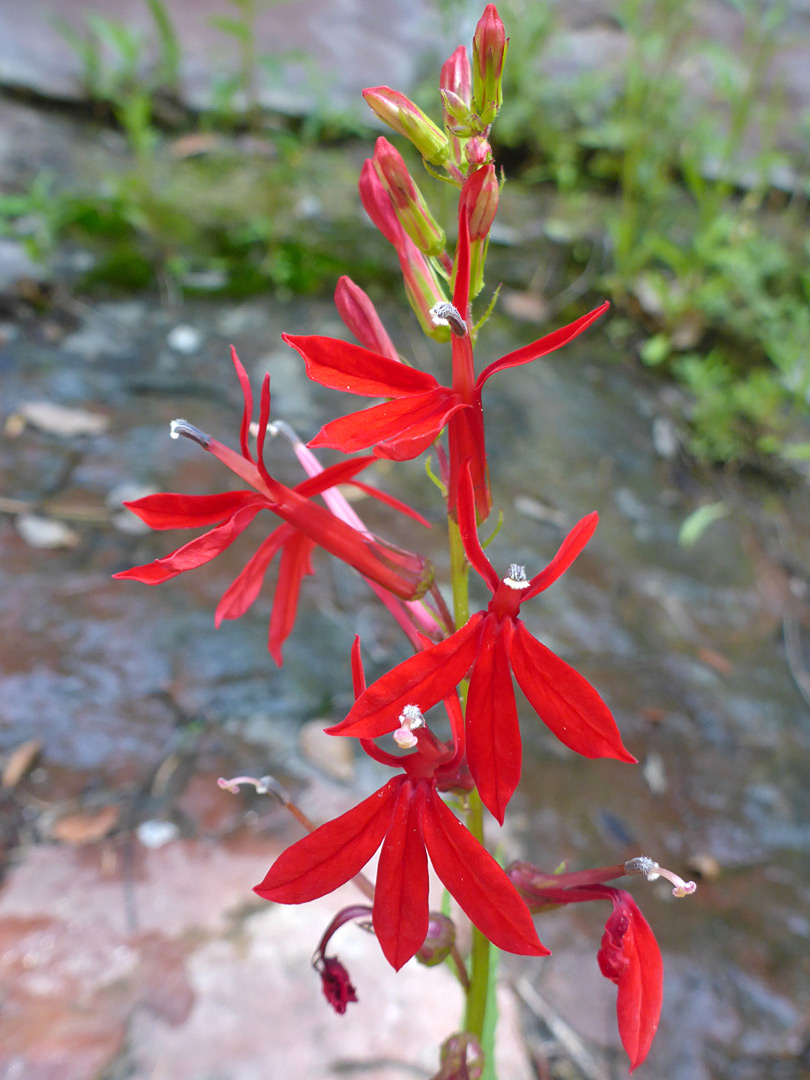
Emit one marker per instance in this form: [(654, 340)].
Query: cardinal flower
[(307, 524), (629, 955), (409, 819), (496, 644), (419, 406)]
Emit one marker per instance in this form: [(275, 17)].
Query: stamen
[(516, 578), (444, 314), (652, 872), (188, 431), (410, 718)]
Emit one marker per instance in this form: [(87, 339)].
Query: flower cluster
[(465, 662)]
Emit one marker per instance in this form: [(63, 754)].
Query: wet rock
[(46, 533), (185, 339), (332, 756), (63, 420)]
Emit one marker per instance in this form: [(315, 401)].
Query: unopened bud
[(480, 197), (455, 87), (406, 118), (489, 50), (477, 151), (461, 1058), (441, 937), (361, 318), (406, 199)]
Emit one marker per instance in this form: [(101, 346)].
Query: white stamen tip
[(652, 872), (516, 578), (410, 718)]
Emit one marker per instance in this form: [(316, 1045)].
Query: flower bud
[(421, 287), (480, 196), (489, 51), (404, 117), (455, 87), (406, 199), (477, 151), (358, 313), (441, 937), (461, 1058)]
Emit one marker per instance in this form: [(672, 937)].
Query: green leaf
[(698, 521)]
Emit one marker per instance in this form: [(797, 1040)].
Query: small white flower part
[(652, 872), (444, 314), (410, 718), (516, 578), (183, 427)]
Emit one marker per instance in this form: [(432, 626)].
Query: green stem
[(479, 959)]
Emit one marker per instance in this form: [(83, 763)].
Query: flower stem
[(479, 968), (475, 1015)]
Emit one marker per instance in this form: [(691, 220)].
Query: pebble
[(184, 339)]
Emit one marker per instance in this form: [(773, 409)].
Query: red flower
[(419, 407), (495, 643), (409, 819), (307, 524), (629, 954)]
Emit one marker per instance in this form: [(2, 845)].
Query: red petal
[(423, 680), (343, 366), (334, 853), (244, 589), (389, 500), (196, 552), (493, 733), (400, 430), (473, 877), (247, 410), (542, 347), (342, 473), (469, 529), (294, 565), (401, 889), (461, 266), (640, 976), (569, 550), (566, 703), (466, 442), (172, 511)]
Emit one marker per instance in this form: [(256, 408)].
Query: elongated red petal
[(168, 510), (334, 853), (469, 529), (461, 265), (389, 500), (493, 733), (630, 957), (401, 889), (295, 564), (244, 588), (543, 346), (466, 443), (423, 680), (473, 877), (342, 473), (399, 430), (343, 366), (566, 702), (247, 410), (196, 552), (569, 550)]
